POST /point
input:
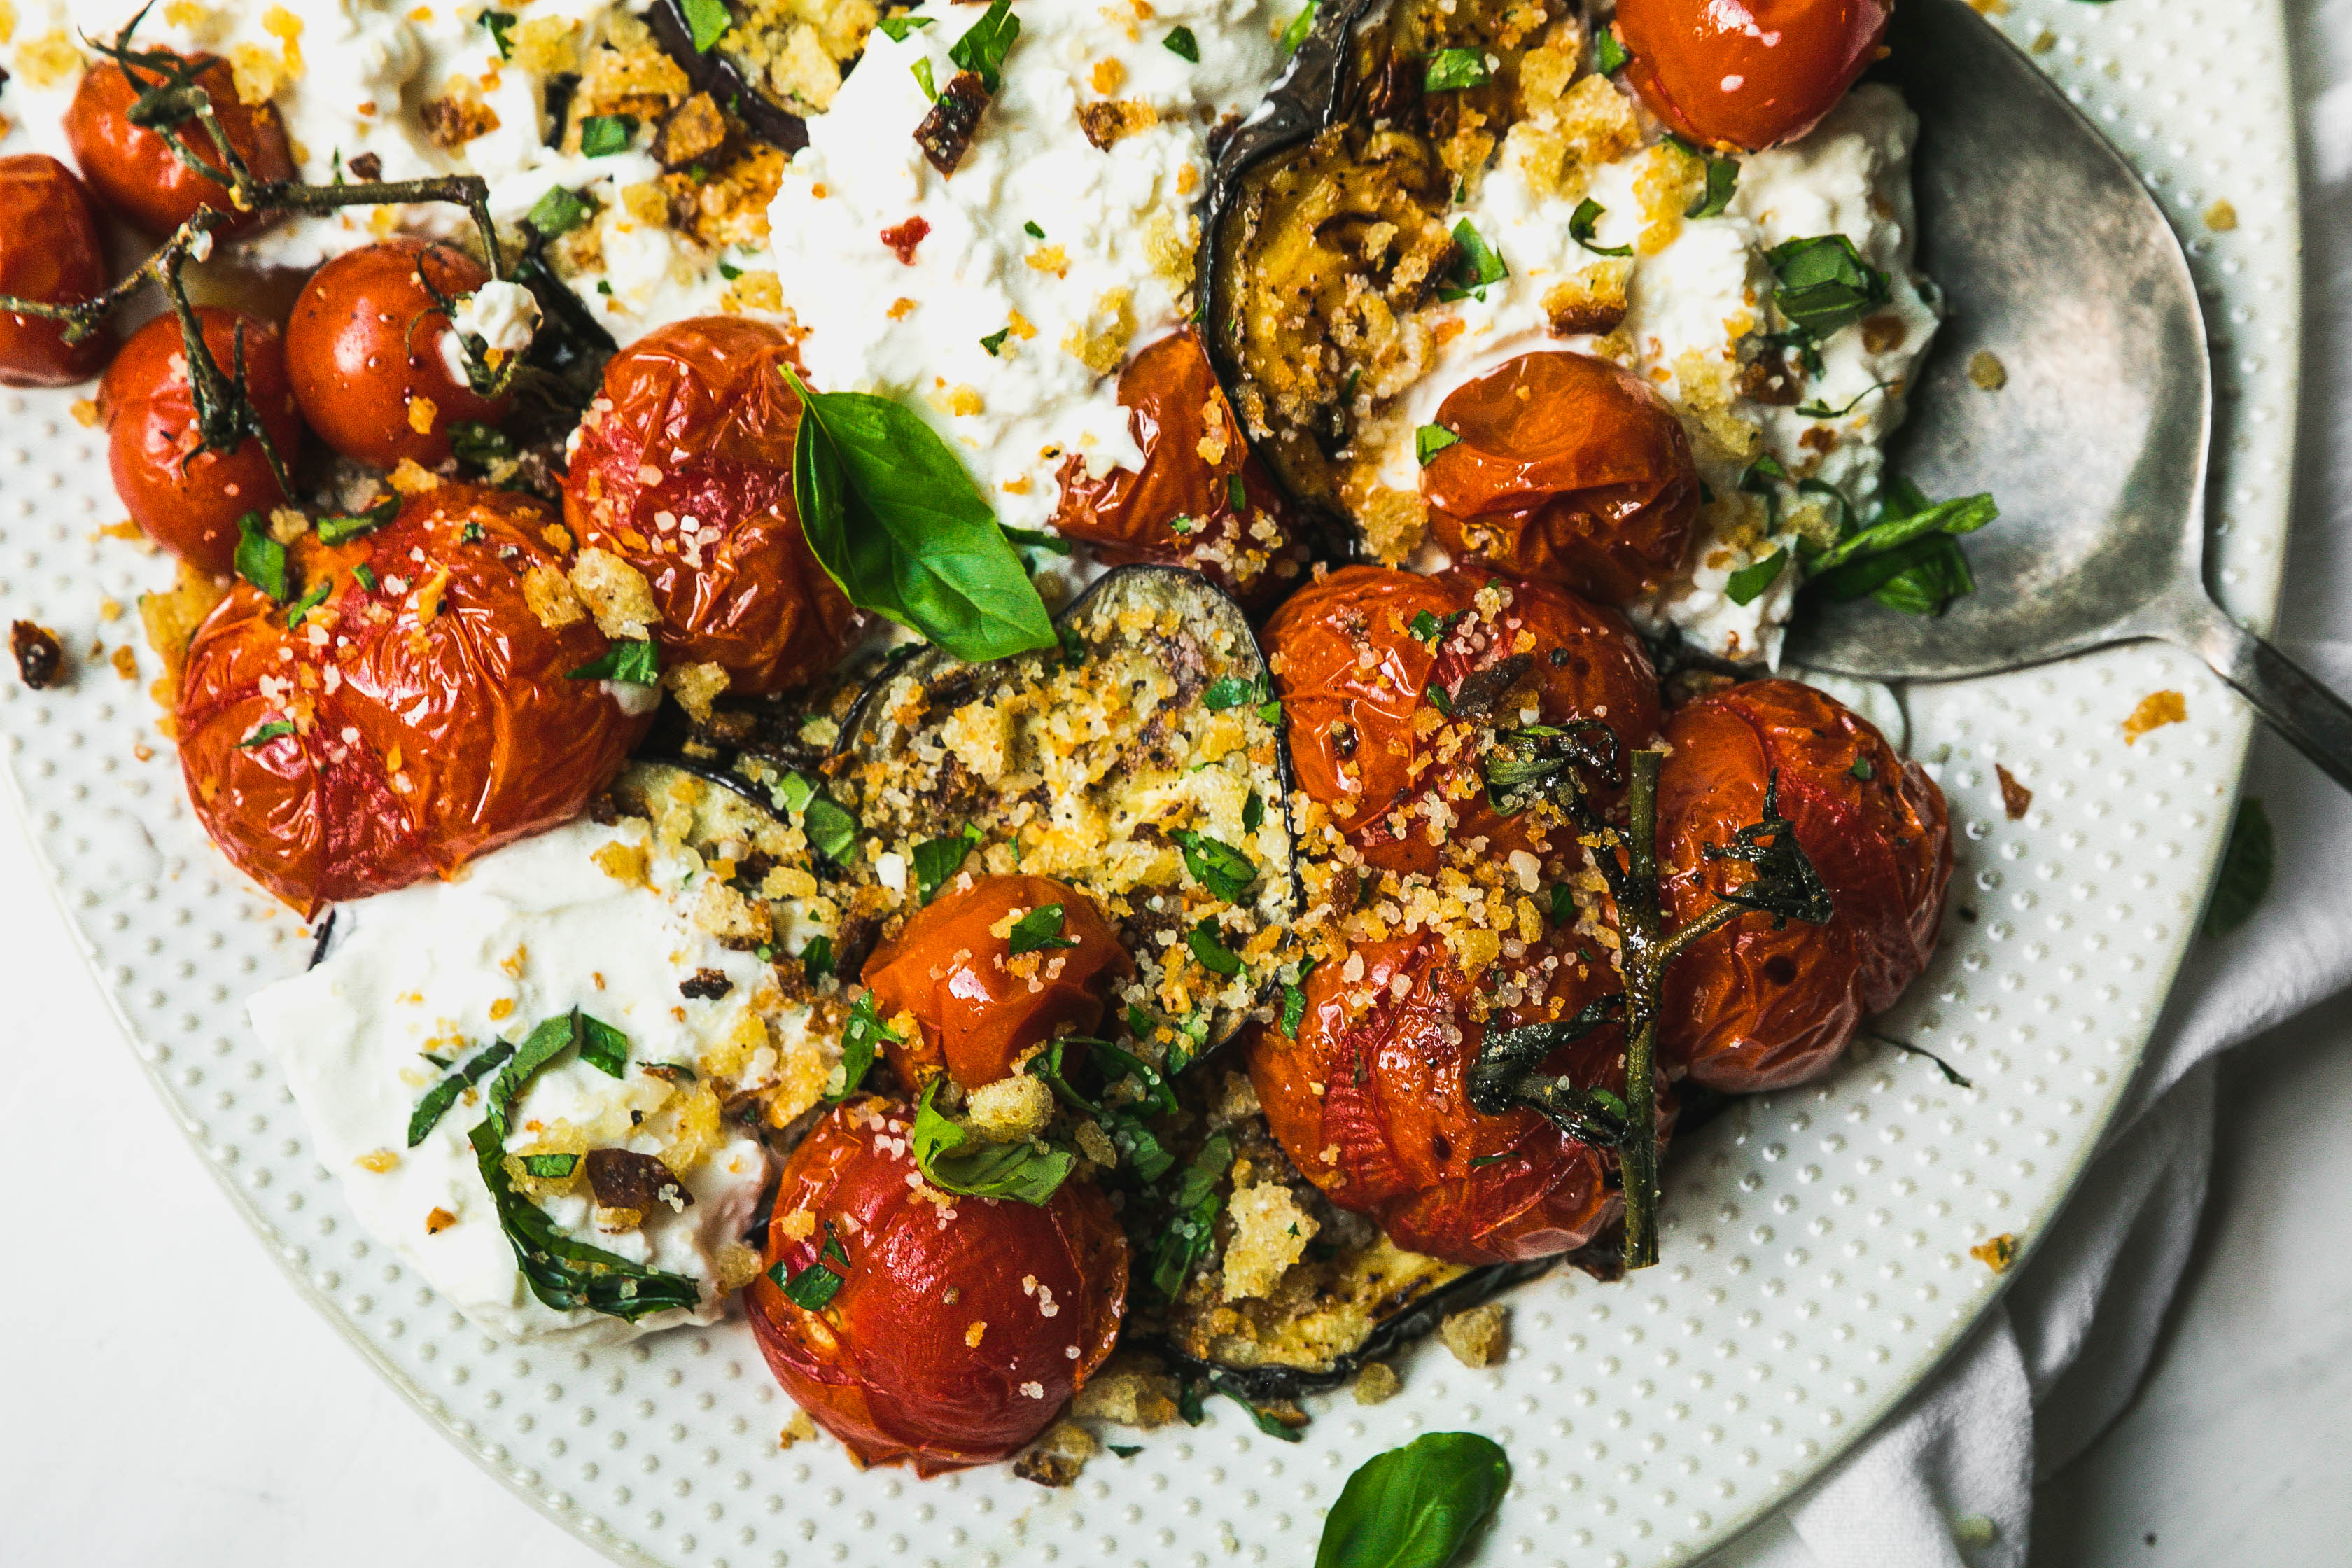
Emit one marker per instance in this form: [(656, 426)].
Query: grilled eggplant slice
[(776, 62), (1326, 229)]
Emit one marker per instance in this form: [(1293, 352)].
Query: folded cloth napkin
[(1948, 1481)]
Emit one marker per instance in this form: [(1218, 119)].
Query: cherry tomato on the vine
[(134, 170), (50, 251), (1747, 73)]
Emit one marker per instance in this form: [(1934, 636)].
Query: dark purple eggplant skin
[(717, 75)]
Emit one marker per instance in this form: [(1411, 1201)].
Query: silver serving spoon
[(2058, 262)]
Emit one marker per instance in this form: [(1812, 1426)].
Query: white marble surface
[(165, 1398)]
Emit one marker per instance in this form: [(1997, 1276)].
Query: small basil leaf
[(551, 1167), (265, 733), (985, 43), (445, 1092), (1451, 71), (1038, 930), (602, 1047), (708, 20), (260, 560), (861, 1038), (1417, 1506), (1212, 954), (1180, 43), (954, 1161), (1583, 222), (637, 661), (1216, 864), (1748, 583), (814, 1287), (1428, 440)]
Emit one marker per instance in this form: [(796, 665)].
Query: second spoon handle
[(2314, 719)]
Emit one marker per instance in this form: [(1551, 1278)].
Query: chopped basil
[(937, 859), (1438, 699), (602, 135), (1182, 525), (444, 1093), (479, 444), (1722, 185), (1038, 930), (1236, 492), (1180, 43), (1581, 224), (1824, 284), (1819, 408), (260, 560), (1428, 440), (602, 1047), (1214, 954), (635, 661), (729, 270), (1125, 1450), (365, 578), (897, 29), (1217, 866), (1563, 904), (1032, 230), (500, 23), (1295, 32), (1037, 539), (814, 1287), (1294, 1000), (2247, 864), (1234, 691), (832, 831), (550, 1167), (1416, 1507), (1191, 1227), (1253, 812), (983, 47), (1864, 769), (1451, 70), (894, 518), (558, 212), (924, 79), (1609, 55), (343, 529), (312, 597), (954, 1161), (1908, 560), (994, 341), (1748, 583), (265, 733), (816, 958), (709, 21), (861, 1038), (1425, 625), (1474, 268)]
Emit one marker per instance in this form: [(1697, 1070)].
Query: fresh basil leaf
[(1038, 930), (551, 1167), (955, 1161), (1295, 32), (2247, 864), (1965, 515), (1451, 71), (1417, 1506), (1825, 286), (1563, 904), (832, 830), (1920, 579), (445, 1091), (500, 24), (265, 733), (861, 1039), (899, 28), (1426, 627), (814, 1287), (1214, 954), (937, 859), (1217, 866), (558, 212), (895, 519), (1609, 55), (1584, 220), (602, 135), (984, 44), (1428, 440), (636, 661), (709, 21), (343, 529), (1477, 267), (1748, 583), (1161, 1095), (816, 958), (1180, 43), (1722, 185), (260, 560), (602, 1047)]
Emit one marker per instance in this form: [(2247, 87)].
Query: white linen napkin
[(1946, 1482)]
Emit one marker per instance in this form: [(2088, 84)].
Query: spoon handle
[(2317, 721)]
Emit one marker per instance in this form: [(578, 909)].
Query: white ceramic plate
[(1817, 1243)]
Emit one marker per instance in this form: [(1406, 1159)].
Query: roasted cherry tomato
[(1370, 1102), (418, 713), (366, 347), (1394, 684), (1747, 73), (960, 1326), (1749, 1007), (51, 250), (189, 501), (686, 472), (134, 171), (1183, 505), (979, 1005), (1567, 468)]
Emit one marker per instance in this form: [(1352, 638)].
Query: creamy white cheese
[(526, 933), (1076, 254), (1700, 295)]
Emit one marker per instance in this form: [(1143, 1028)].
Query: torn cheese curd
[(1694, 294), (438, 971), (1001, 302)]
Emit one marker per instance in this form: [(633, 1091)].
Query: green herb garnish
[(1722, 185), (343, 529), (1477, 267), (550, 1167), (1207, 946), (602, 135), (1180, 43), (897, 29), (984, 44), (1581, 223), (707, 20), (635, 660), (1295, 32), (1747, 584), (1428, 440), (954, 1161), (1037, 931), (994, 341), (937, 859), (1218, 867), (1451, 71), (602, 1047), (500, 24), (260, 560), (861, 1039), (1416, 1507), (558, 212), (1609, 55), (445, 1092), (1824, 284), (312, 597), (265, 733), (814, 1287)]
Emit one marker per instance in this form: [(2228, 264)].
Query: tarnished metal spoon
[(2058, 262)]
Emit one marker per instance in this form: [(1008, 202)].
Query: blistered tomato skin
[(1401, 772), (978, 1006), (51, 250), (1372, 1108), (961, 1327), (364, 346), (1569, 469), (1749, 1008), (187, 500), (134, 171), (1747, 73), (1179, 508), (687, 476), (432, 718)]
